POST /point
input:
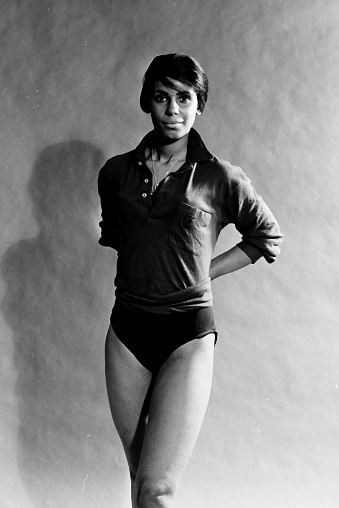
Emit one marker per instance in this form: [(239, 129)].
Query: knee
[(155, 494)]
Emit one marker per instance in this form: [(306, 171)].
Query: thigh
[(127, 386), (178, 405)]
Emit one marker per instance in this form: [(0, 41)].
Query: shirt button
[(146, 180), (144, 195), (140, 163)]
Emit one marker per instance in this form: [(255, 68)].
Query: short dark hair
[(180, 67)]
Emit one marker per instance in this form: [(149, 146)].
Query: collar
[(196, 148)]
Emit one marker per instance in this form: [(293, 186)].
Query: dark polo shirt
[(165, 241)]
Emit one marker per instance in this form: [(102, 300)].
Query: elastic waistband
[(194, 297)]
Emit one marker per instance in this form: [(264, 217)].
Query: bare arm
[(228, 262)]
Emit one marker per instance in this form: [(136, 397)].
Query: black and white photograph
[(169, 274)]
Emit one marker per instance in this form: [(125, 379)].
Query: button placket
[(146, 183)]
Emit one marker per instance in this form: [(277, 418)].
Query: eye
[(184, 99), (160, 98)]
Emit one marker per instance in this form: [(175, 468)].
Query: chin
[(173, 134)]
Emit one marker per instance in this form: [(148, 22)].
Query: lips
[(172, 124)]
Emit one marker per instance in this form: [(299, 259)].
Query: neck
[(166, 150)]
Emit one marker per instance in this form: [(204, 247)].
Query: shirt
[(165, 242)]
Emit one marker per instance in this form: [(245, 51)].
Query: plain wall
[(70, 81)]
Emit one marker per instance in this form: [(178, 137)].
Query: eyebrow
[(179, 92)]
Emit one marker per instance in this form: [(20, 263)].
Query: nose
[(172, 107)]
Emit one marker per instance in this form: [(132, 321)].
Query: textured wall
[(70, 80)]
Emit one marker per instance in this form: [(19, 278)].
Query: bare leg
[(178, 405), (127, 386)]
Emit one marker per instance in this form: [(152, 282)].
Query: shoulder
[(117, 164), (225, 173), (113, 166), (211, 165)]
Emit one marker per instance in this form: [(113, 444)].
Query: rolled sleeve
[(254, 220)]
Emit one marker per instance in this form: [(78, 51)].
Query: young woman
[(163, 207)]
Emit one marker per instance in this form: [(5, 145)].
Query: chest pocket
[(188, 227)]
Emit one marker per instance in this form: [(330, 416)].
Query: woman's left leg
[(178, 405)]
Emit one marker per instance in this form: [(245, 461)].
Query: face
[(173, 110)]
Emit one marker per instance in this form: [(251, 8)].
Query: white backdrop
[(70, 80)]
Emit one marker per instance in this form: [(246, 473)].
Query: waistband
[(194, 297)]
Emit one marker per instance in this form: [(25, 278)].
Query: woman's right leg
[(178, 403), (127, 385)]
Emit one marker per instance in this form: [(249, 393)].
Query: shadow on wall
[(55, 304)]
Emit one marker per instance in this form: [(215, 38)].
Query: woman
[(163, 207)]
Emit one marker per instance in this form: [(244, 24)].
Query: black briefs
[(153, 337)]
